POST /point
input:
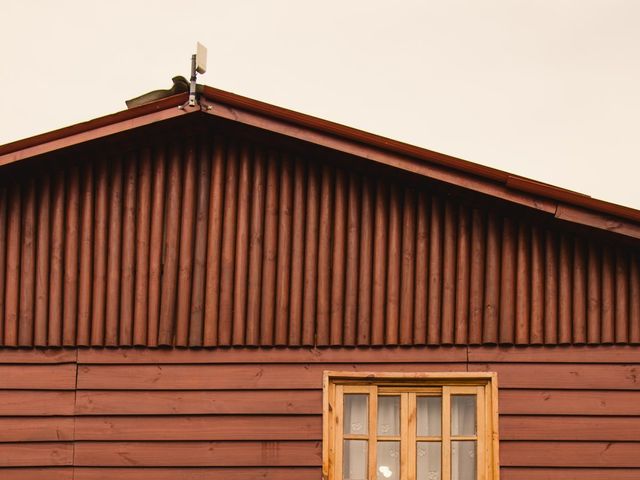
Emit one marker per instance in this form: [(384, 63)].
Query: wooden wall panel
[(216, 240), (565, 412)]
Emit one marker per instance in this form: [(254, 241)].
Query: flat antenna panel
[(201, 58)]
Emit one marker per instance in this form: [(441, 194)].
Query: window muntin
[(410, 427)]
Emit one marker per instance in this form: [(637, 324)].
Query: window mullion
[(481, 418), (404, 434), (338, 468), (411, 437), (373, 432), (446, 433)]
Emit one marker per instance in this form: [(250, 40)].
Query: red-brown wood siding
[(216, 241), (566, 412)]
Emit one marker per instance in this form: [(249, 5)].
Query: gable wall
[(216, 241)]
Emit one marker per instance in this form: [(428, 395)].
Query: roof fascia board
[(101, 127)]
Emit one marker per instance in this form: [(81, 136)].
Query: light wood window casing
[(410, 426)]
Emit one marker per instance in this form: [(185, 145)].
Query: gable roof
[(561, 203)]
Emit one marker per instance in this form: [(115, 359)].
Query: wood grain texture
[(36, 402), (195, 473), (42, 377), (567, 402), (37, 473), (36, 429), (179, 427), (225, 377), (577, 428), (569, 454), (219, 238), (36, 454), (98, 402), (220, 454)]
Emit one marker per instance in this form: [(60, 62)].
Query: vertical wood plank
[(196, 322), (242, 248), (42, 260), (634, 297), (463, 262), (27, 267), (70, 305), (155, 244), (112, 308), (185, 259), (379, 263), (608, 289), (338, 258), (171, 247), (56, 269), (408, 258), (507, 282), (551, 289), (127, 270), (86, 256), (394, 255), (622, 297), (594, 289), (311, 255), (537, 286), (283, 275), (579, 293), (214, 243), (143, 234), (297, 253), (352, 261), (365, 271), (435, 273), (448, 273), (324, 258), (523, 287), (492, 281), (477, 275), (227, 259), (422, 271), (267, 322), (100, 234), (256, 240), (564, 286), (12, 283)]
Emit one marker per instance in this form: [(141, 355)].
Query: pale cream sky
[(546, 89)]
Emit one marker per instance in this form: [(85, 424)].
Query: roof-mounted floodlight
[(198, 65)]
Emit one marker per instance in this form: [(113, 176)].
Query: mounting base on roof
[(198, 65)]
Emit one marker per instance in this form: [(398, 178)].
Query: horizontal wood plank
[(201, 427), (36, 402), (45, 377), (40, 473), (38, 355), (273, 355), (230, 377), (36, 429), (556, 354), (537, 427), (570, 454), (568, 376), (35, 454), (569, 402), (198, 473), (195, 454), (213, 402), (569, 473)]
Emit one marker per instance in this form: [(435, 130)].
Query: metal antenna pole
[(192, 86)]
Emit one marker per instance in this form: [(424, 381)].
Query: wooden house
[(235, 291)]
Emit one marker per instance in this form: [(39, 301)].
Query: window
[(417, 426)]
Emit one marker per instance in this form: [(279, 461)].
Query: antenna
[(198, 65)]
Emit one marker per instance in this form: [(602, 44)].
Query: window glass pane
[(463, 460), (429, 461), (429, 416), (389, 415), (355, 414), (388, 467), (354, 464), (463, 415)]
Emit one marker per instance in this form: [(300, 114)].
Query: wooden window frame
[(487, 435)]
